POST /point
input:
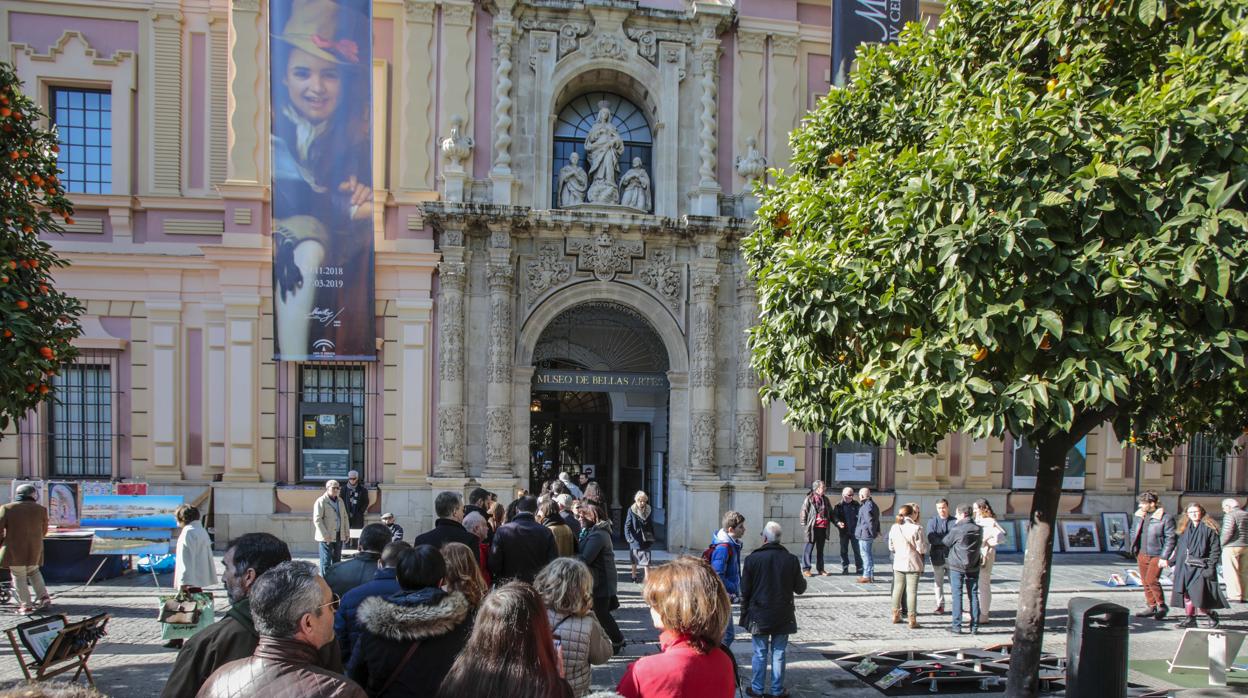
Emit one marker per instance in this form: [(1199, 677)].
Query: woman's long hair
[(905, 511), (985, 509), (463, 572), (511, 653), (1204, 518)]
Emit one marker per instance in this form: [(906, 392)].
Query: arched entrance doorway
[(599, 404)]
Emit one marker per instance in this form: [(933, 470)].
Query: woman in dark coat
[(1195, 562), (639, 532)]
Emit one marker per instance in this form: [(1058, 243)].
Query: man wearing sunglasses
[(293, 609)]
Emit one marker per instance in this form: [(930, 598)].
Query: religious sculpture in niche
[(636, 186), (572, 182), (603, 148)]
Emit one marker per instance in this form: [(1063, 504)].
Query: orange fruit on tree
[(1046, 342), (981, 354), (43, 390), (46, 352), (868, 382), (1051, 84), (22, 305)]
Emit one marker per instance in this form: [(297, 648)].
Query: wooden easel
[(63, 654)]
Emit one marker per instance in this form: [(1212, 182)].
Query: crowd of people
[(490, 601)]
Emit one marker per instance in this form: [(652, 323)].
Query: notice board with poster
[(325, 440)]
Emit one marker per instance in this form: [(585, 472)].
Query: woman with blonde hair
[(1195, 562), (908, 545), (566, 587), (463, 573), (639, 532), (690, 607)]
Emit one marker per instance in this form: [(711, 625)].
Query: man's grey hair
[(847, 491), (446, 504), (565, 501), (281, 597), (1231, 503), (816, 484), (331, 483), (771, 532)]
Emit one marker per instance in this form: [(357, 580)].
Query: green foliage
[(37, 323), (1030, 219)]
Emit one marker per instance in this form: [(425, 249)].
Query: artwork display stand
[(1208, 650), (70, 649)]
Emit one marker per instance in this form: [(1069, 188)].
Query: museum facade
[(559, 191)]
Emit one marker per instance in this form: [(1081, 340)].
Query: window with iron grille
[(84, 128), (1206, 465), (849, 463), (331, 392), (80, 422)]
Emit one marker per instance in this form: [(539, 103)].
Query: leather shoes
[(1161, 612), (1212, 621), (863, 580), (940, 610), (749, 691), (1188, 622), (808, 573), (1151, 611)]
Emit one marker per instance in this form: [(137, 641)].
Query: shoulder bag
[(398, 668)]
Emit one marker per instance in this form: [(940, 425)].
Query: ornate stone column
[(706, 195), (749, 407), (505, 183), (452, 275), (702, 365), (498, 412)]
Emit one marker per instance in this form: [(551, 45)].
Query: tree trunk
[(1033, 593)]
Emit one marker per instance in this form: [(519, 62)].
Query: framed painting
[(1010, 542), (1079, 536), (1117, 526)]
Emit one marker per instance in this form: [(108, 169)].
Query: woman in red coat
[(689, 605)]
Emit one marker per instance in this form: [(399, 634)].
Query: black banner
[(321, 108), (857, 22)]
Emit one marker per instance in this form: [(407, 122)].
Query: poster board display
[(131, 542), (854, 467), (1027, 464), (64, 504), (131, 511)]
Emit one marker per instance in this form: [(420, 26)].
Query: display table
[(67, 558)]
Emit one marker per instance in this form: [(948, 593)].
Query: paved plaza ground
[(835, 615)]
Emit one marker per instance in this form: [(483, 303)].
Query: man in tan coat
[(332, 523), (23, 523)]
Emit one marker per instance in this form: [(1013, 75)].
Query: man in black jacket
[(937, 529), (845, 516), (356, 494), (771, 577), (523, 547), (449, 528), (349, 574), (1152, 543), (963, 541)]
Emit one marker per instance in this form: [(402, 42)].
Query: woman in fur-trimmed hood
[(408, 641)]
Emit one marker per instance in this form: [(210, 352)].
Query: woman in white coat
[(193, 556), (908, 545), (993, 535)]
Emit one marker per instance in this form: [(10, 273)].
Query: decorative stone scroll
[(570, 33), (605, 256), (663, 276), (550, 269), (647, 41)]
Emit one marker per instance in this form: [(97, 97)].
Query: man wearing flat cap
[(23, 524)]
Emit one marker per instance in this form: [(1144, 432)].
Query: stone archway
[(667, 332)]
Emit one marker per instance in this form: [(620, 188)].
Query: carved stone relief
[(451, 333), (648, 41), (570, 33), (605, 256), (500, 276), (747, 434), (451, 434), (550, 269), (609, 45), (663, 277), (702, 440), (702, 350), (498, 434)]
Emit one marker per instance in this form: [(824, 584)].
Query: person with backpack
[(724, 556)]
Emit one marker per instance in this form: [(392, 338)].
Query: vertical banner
[(857, 22), (321, 106)]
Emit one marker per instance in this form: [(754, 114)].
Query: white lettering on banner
[(885, 14)]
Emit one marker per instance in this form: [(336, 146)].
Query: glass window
[(80, 422), (332, 407), (849, 463), (579, 116), (83, 118), (1206, 466)]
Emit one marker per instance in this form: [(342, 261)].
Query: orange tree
[(1028, 220), (37, 322)]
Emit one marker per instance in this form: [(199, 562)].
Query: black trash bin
[(1096, 650)]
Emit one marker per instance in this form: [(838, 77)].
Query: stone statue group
[(603, 148)]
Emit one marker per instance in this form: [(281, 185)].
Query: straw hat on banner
[(321, 28)]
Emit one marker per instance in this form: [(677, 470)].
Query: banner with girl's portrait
[(321, 89)]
